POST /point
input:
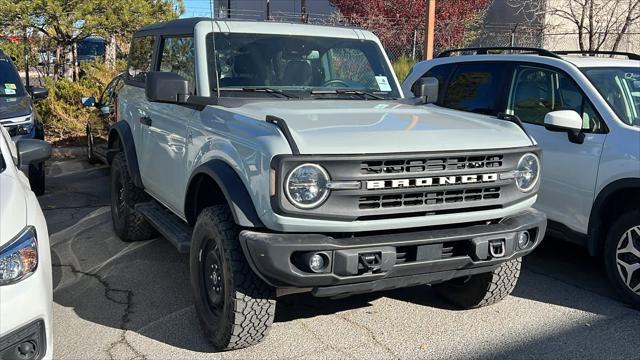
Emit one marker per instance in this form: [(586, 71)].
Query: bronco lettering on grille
[(431, 181)]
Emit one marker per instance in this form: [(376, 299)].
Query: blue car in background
[(19, 116)]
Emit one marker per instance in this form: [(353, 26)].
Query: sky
[(256, 8)]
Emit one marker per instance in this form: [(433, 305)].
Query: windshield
[(10, 82), (301, 66), (89, 47), (620, 86)]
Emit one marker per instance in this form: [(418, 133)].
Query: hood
[(11, 107), (352, 127), (13, 208)]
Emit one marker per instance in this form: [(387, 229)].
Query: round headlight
[(306, 186), (528, 172)]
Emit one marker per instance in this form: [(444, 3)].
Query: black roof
[(172, 27), (185, 26)]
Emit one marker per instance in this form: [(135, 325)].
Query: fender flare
[(233, 189), (121, 130), (595, 240)]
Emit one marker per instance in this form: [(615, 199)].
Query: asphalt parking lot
[(114, 300)]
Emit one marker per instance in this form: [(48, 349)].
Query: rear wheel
[(127, 223), (482, 289), (37, 178), (622, 256), (236, 308)]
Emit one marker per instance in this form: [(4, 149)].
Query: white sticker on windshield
[(9, 92), (383, 83)]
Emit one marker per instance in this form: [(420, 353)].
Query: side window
[(140, 57), (440, 72), (178, 57), (475, 87), (351, 64), (537, 91)]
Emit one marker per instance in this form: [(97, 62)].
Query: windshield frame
[(623, 117), (301, 92)]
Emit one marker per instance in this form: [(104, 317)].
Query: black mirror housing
[(166, 87), (38, 93), (428, 88), (33, 151)]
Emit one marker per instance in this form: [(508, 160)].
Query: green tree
[(124, 17), (66, 22)]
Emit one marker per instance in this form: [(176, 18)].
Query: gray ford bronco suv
[(284, 158)]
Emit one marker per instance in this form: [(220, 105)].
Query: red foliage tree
[(395, 21)]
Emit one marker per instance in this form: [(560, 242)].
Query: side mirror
[(33, 151), (88, 101), (565, 120), (166, 87), (38, 93), (428, 88)]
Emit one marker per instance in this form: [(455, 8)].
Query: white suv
[(26, 295), (584, 111)]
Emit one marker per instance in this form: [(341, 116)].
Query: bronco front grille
[(390, 186), (428, 198), (399, 166)]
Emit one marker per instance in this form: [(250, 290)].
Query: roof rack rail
[(486, 50), (630, 56)]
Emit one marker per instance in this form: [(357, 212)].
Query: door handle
[(145, 120)]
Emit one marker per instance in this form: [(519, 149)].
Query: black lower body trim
[(28, 342), (388, 260)]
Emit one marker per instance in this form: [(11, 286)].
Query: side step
[(168, 225)]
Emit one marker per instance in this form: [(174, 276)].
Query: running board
[(168, 225)]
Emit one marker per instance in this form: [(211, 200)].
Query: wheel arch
[(121, 139), (613, 200), (224, 186)]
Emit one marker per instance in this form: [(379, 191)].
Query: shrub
[(402, 66), (62, 112)]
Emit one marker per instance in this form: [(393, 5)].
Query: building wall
[(561, 34)]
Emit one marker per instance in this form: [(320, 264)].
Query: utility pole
[(268, 10), (303, 11), (429, 28)]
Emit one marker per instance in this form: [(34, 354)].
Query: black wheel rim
[(213, 277), (118, 197)]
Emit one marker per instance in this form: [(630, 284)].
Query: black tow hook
[(370, 261), (497, 248)]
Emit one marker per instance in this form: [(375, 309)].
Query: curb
[(62, 153)]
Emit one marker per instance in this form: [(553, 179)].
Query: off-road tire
[(37, 178), (620, 227), (91, 157), (128, 224), (482, 289), (246, 304)]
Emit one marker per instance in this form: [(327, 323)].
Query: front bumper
[(400, 258)]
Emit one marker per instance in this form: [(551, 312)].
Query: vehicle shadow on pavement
[(141, 290)]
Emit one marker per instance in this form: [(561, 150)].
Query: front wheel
[(482, 289), (236, 308), (622, 257)]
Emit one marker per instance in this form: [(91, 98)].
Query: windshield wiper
[(362, 93), (267, 90)]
